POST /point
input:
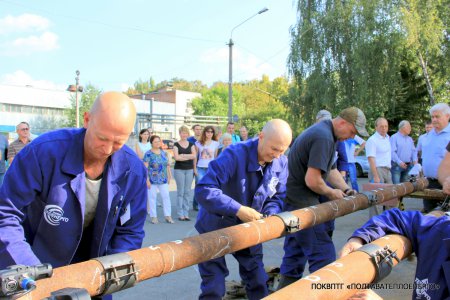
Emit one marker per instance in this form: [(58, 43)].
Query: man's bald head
[(274, 139), (277, 127), (108, 125), (116, 107)]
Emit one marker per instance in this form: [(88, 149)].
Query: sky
[(114, 43)]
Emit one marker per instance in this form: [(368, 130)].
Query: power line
[(130, 28)]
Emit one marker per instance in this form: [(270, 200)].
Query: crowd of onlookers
[(390, 158), (192, 155)]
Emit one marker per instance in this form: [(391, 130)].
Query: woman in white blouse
[(207, 147), (144, 143)]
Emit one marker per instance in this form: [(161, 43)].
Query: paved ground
[(184, 284)]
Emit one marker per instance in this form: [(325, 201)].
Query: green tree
[(347, 53), (255, 101), (86, 99), (141, 87), (214, 101), (41, 124), (182, 84), (424, 28), (259, 101)]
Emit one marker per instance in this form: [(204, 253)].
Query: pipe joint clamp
[(291, 222), (120, 272), (382, 259)]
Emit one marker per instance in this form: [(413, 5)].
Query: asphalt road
[(185, 283)]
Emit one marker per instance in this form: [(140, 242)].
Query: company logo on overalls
[(273, 186), (53, 214)]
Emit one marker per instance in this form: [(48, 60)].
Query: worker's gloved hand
[(350, 192)]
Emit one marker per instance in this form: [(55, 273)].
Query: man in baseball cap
[(356, 117), (311, 166)]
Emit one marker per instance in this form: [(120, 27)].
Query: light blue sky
[(114, 43)]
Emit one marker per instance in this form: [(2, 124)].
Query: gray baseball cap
[(356, 117)]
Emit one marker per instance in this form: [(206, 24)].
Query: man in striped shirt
[(23, 131)]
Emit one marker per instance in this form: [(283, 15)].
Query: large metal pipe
[(429, 194), (157, 260), (342, 278)]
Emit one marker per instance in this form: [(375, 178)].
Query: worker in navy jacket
[(247, 181), (430, 238), (75, 194)]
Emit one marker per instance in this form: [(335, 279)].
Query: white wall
[(34, 96), (163, 108), (183, 98)]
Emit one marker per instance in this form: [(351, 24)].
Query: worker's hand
[(365, 294), (403, 165), (248, 214), (353, 244), (148, 184), (446, 186), (376, 179), (334, 194)]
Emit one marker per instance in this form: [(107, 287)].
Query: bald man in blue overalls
[(247, 181)]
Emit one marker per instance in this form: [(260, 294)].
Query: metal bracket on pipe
[(371, 196), (291, 222), (381, 259), (120, 272), (413, 180)]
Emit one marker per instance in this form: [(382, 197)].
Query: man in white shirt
[(378, 152)]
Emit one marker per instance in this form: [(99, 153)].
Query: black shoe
[(285, 281)]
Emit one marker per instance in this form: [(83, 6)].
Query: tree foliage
[(146, 87), (41, 124), (86, 99), (255, 102), (182, 84), (366, 53), (141, 87)]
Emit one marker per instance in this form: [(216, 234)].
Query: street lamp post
[(76, 88), (230, 65)]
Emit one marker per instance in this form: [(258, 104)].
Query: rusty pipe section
[(321, 213), (429, 194), (344, 277), (157, 260)]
